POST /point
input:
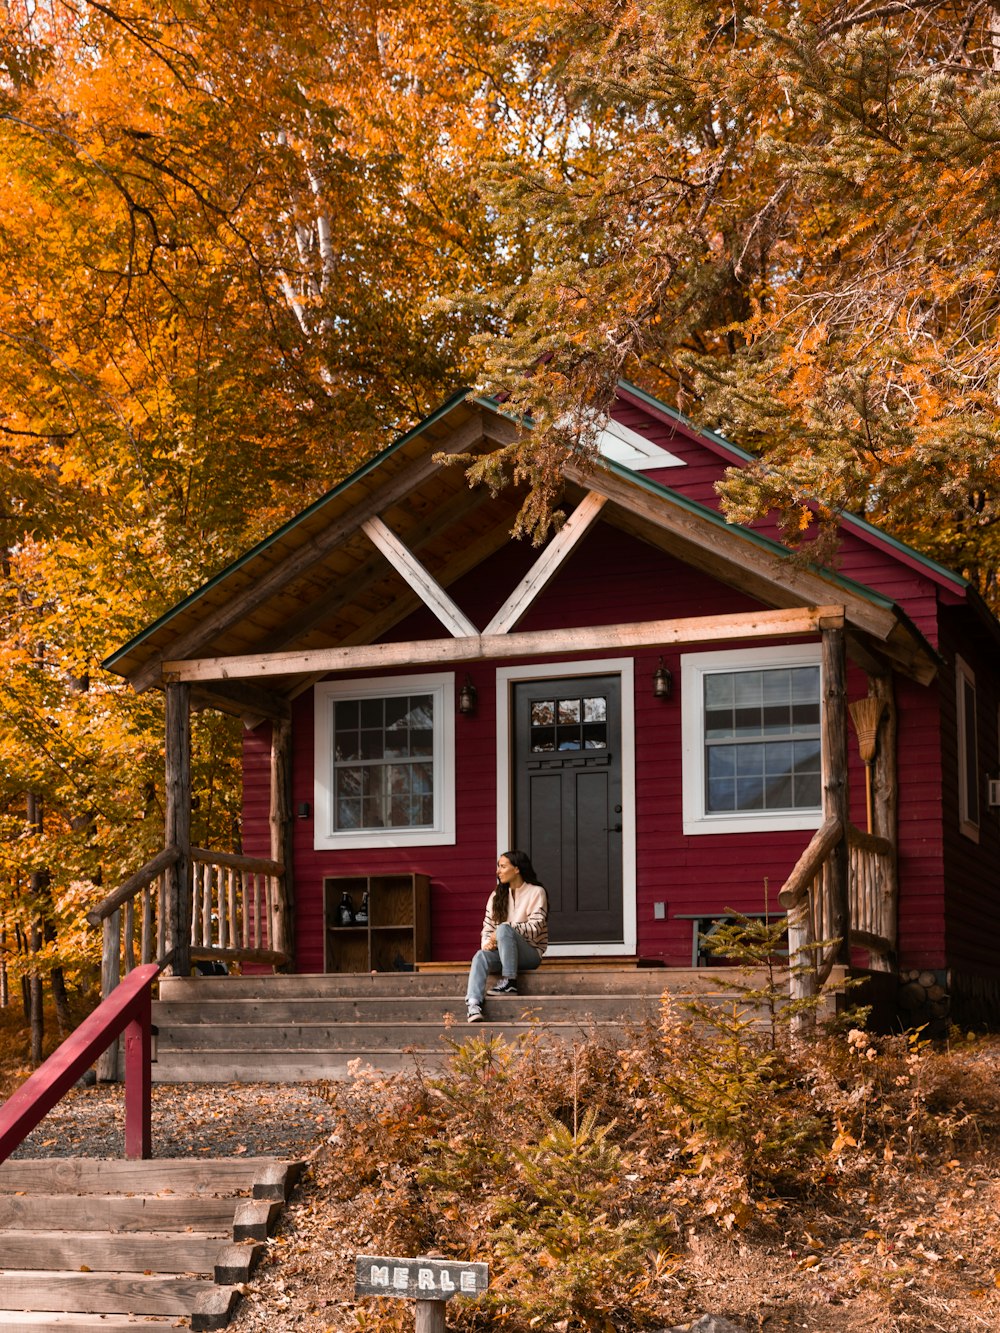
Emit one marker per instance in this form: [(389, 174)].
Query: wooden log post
[(885, 793), (835, 787), (803, 985), (177, 881), (279, 924), (108, 1067)]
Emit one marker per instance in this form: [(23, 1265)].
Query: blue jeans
[(513, 954)]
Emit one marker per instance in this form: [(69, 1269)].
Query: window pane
[(396, 711), (390, 781), (748, 689), (752, 761), (719, 691), (372, 744), (750, 793), (721, 794), (719, 724), (595, 709), (345, 715), (805, 684), (569, 710), (543, 713), (372, 713), (421, 712)]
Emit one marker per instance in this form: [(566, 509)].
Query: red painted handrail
[(127, 1009)]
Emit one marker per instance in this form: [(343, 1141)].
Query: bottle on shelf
[(345, 912), (361, 916)]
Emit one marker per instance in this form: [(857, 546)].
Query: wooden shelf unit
[(398, 929)]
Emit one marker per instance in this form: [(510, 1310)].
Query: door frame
[(624, 668)]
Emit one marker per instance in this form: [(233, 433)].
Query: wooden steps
[(300, 1028), (87, 1243)]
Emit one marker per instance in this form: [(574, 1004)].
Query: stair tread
[(176, 1176), (118, 1214), (188, 1252), (82, 1322)]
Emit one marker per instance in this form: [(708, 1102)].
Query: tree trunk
[(109, 1061), (61, 1000), (36, 995), (36, 999)]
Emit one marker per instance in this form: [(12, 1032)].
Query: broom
[(865, 714)]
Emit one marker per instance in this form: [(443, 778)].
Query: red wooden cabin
[(655, 705)]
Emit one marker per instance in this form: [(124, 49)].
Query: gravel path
[(217, 1120)]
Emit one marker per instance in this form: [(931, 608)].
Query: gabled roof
[(319, 582)]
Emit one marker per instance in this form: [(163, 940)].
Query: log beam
[(544, 569), (409, 568), (481, 647)]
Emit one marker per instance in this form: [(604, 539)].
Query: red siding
[(610, 578), (971, 869)]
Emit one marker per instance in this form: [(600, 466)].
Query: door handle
[(614, 828)]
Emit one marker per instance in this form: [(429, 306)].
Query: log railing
[(807, 897), (233, 905), (233, 899)]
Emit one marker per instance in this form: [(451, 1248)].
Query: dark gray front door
[(568, 801)]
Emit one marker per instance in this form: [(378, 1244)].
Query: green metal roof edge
[(460, 395), (682, 420), (747, 534), (903, 547)]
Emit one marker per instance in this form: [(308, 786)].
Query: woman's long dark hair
[(521, 862)]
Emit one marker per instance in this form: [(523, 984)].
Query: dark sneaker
[(508, 986), (475, 1013)]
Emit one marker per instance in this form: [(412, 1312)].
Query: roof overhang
[(325, 591)]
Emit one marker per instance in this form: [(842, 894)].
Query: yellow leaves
[(842, 1140)]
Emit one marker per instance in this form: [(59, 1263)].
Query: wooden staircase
[(277, 1028), (90, 1244)]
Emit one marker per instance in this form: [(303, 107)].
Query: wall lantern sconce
[(663, 682), (303, 810), (467, 697)]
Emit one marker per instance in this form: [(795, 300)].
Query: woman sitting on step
[(515, 931)]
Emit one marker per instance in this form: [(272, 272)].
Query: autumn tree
[(780, 217), (224, 231)]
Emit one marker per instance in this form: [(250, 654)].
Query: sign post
[(429, 1283)]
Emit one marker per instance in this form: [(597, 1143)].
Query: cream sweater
[(527, 912)]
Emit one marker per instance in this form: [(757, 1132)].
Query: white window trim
[(964, 673), (442, 832), (625, 668), (694, 667)]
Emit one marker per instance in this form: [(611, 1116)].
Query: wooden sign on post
[(428, 1282)]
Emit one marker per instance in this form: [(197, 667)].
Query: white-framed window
[(385, 762), (968, 751), (751, 723)]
